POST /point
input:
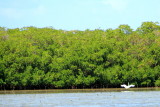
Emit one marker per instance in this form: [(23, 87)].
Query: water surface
[(82, 98)]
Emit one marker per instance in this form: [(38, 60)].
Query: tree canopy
[(44, 58)]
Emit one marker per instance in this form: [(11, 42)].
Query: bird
[(127, 86)]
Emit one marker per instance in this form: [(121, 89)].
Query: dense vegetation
[(39, 58)]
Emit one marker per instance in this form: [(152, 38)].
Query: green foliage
[(125, 29), (157, 83), (38, 58), (148, 27)]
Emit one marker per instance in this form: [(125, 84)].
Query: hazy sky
[(78, 14)]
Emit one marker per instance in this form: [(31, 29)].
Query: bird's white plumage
[(127, 86)]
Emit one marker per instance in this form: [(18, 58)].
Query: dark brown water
[(142, 97)]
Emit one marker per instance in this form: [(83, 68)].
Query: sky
[(78, 14)]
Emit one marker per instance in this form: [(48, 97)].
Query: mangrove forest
[(47, 58)]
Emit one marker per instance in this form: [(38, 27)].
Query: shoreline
[(44, 91)]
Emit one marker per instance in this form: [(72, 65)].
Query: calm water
[(81, 98)]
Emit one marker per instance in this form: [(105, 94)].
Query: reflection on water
[(81, 98)]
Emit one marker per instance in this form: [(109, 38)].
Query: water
[(80, 98)]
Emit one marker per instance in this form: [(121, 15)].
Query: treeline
[(44, 58)]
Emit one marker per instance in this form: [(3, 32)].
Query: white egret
[(127, 86)]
